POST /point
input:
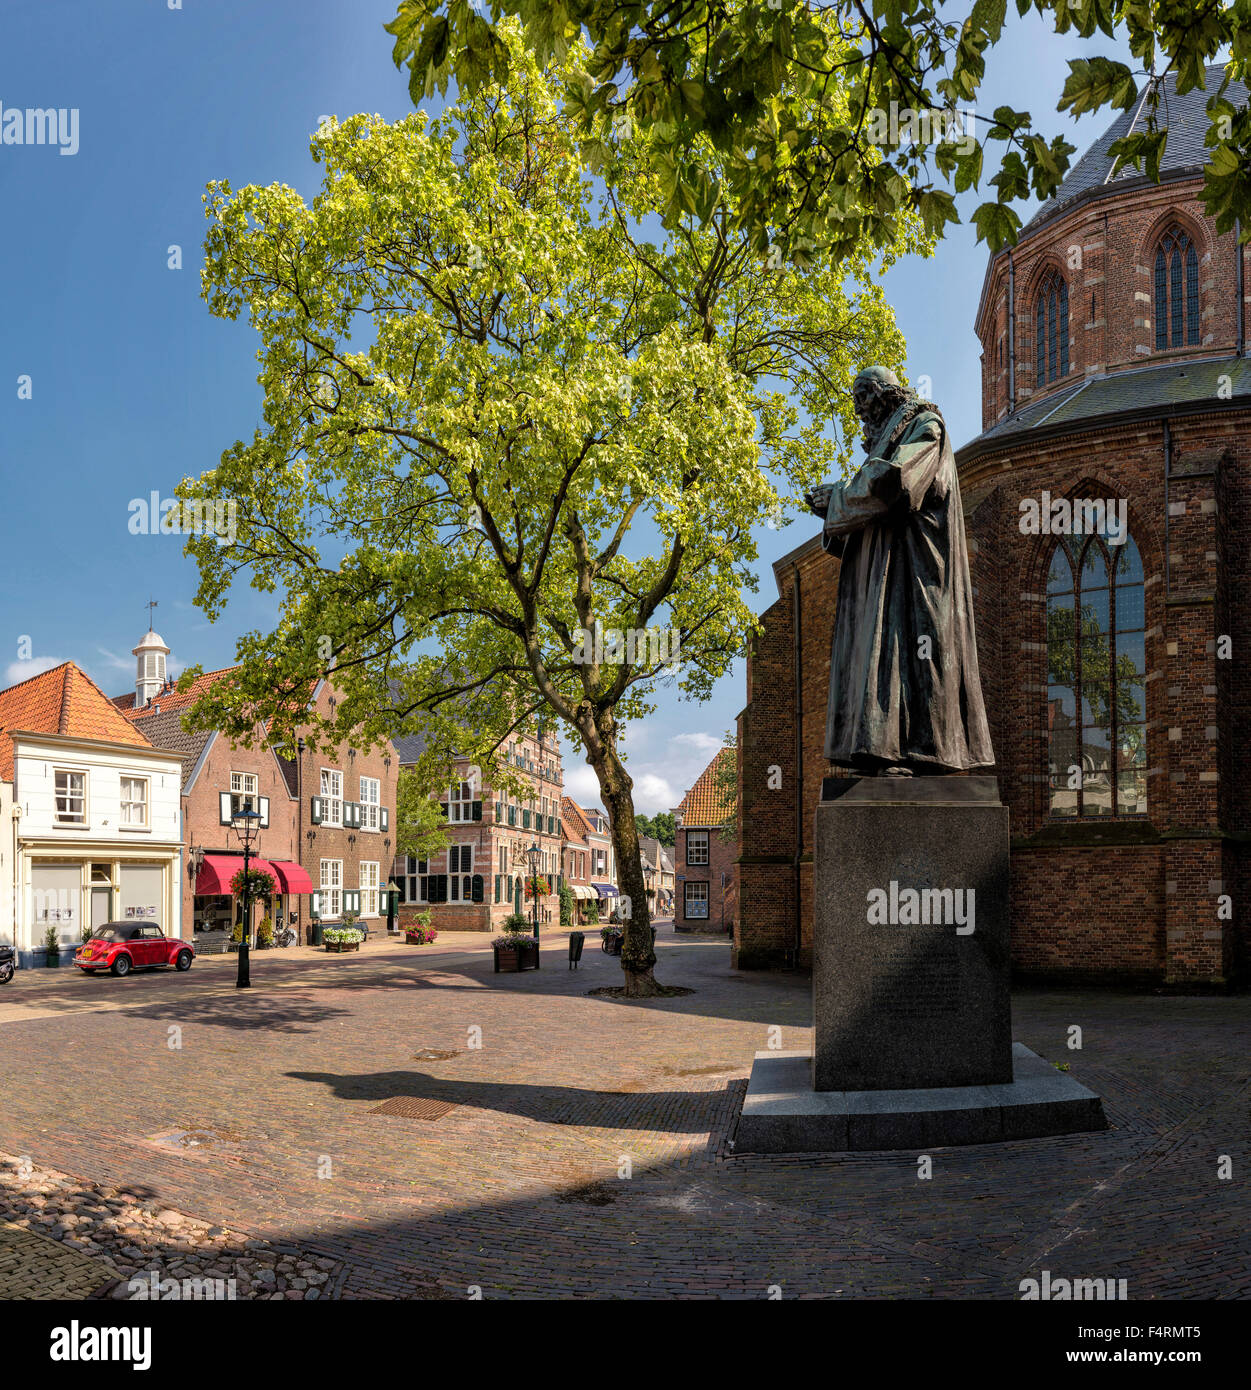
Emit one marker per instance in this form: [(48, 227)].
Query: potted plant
[(236, 936), (52, 947), (265, 933), (339, 939), (516, 949), (420, 933)]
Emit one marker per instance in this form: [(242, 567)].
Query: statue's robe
[(899, 528)]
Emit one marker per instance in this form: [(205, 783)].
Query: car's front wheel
[(182, 961), (121, 966)]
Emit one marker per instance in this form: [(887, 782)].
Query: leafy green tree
[(420, 828), (534, 437), (793, 97), (663, 828), (566, 905)]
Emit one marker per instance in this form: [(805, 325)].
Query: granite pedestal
[(911, 963)]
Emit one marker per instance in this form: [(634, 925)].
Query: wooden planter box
[(524, 958), (337, 947)]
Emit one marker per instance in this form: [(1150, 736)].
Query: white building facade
[(93, 834)]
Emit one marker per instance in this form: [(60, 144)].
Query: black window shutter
[(443, 808), (477, 810), (315, 811)]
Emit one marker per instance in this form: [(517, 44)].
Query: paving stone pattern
[(589, 1148)]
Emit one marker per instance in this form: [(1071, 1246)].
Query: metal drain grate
[(413, 1108)]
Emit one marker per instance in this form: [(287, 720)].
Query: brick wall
[(201, 810), (719, 870), (352, 846), (1105, 249)]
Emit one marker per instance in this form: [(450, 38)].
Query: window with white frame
[(331, 887), (697, 901), (331, 797), (413, 879), (369, 888), (134, 801), (460, 802), (371, 800), (697, 847), (71, 798), (460, 873), (243, 793)]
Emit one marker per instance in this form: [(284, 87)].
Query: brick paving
[(35, 1266), (588, 1150)]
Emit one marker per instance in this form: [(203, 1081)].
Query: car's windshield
[(109, 934)]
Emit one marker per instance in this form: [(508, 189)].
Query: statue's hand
[(818, 499)]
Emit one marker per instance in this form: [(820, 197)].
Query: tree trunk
[(637, 956)]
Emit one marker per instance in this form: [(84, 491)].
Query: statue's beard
[(873, 423)]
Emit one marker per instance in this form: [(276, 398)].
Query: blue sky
[(133, 384)]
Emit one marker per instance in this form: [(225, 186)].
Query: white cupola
[(150, 657)]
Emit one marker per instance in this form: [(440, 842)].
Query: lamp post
[(533, 855), (247, 825)]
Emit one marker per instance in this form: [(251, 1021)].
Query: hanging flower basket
[(540, 884), (259, 884)]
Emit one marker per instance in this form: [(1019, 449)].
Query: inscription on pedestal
[(910, 942)]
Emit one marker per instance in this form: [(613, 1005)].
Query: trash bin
[(314, 932), (576, 940)]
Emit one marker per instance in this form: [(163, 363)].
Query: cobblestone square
[(573, 1146)]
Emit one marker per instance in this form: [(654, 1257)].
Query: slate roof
[(64, 700), (1166, 388), (706, 804), (1187, 123), (165, 731)]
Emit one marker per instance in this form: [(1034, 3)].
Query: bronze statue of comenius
[(905, 695)]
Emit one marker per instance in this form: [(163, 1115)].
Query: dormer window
[(1051, 320), (1176, 291)]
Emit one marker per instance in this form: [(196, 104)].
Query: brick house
[(325, 829), (484, 875), (603, 859), (575, 853), (345, 800), (703, 856), (218, 778), (1113, 371), (658, 875)]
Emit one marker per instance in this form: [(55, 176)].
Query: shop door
[(100, 898)]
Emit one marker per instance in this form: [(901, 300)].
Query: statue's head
[(880, 387), (878, 393)]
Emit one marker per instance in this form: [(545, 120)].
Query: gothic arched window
[(1052, 329), (1176, 291), (1096, 678)]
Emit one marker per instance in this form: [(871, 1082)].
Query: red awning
[(218, 869), (292, 878)]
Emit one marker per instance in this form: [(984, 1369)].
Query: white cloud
[(704, 744), (18, 671), (117, 663), (582, 785), (653, 793)]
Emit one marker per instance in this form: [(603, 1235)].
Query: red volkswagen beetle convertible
[(125, 946)]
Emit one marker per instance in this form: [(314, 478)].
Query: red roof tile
[(64, 700), (707, 803)]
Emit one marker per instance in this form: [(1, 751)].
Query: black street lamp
[(247, 825), (533, 854)]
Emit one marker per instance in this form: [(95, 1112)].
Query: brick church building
[(1108, 508)]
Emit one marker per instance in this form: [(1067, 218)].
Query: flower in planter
[(513, 941), (342, 936)]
